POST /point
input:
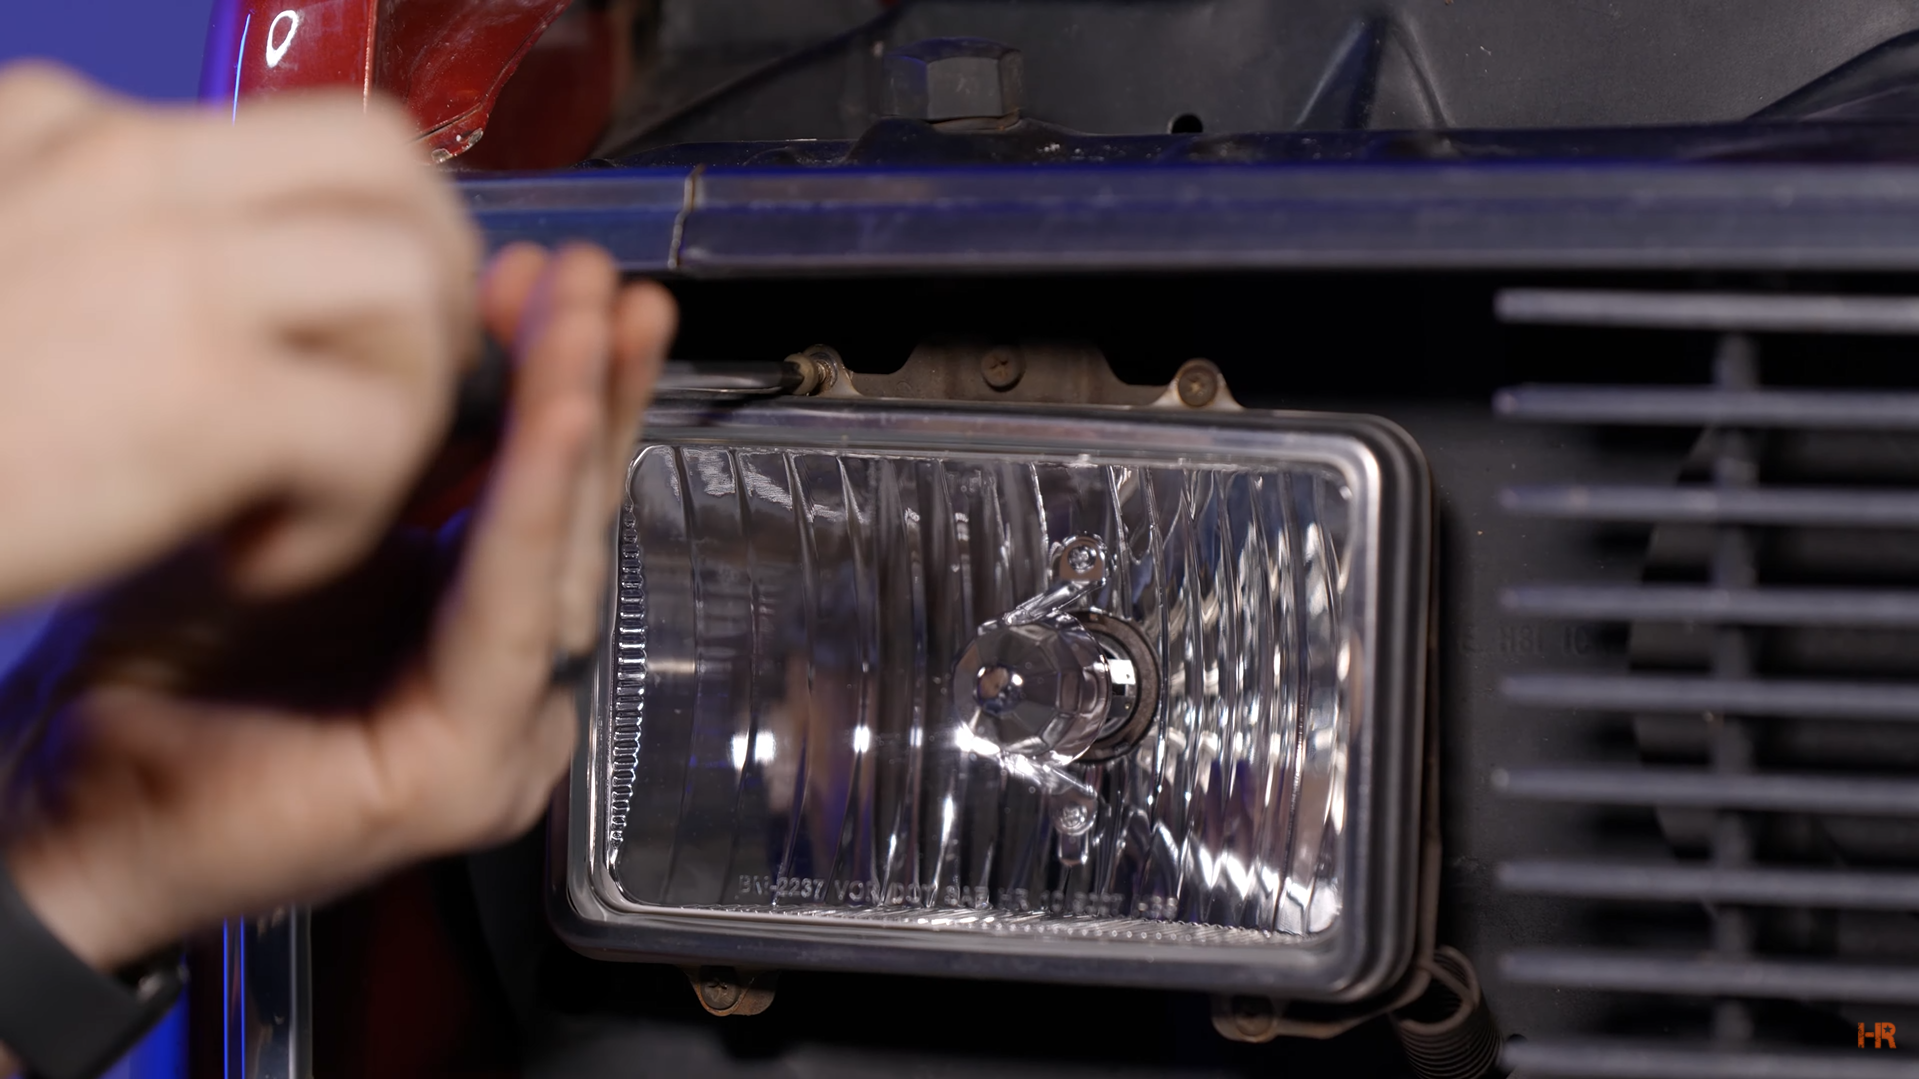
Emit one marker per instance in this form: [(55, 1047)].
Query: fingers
[(41, 104), (360, 295), (353, 388), (506, 287), (643, 327), (333, 144), (535, 574), (577, 336), (270, 188), (466, 747), (506, 618), (575, 331), (342, 457), (323, 160), (477, 740), (325, 150), (644, 319), (338, 255), (362, 300), (188, 285)]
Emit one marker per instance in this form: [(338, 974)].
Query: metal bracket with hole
[(1043, 373), (725, 991)]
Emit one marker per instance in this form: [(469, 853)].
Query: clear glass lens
[(782, 733)]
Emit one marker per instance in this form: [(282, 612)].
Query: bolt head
[(1082, 558), (955, 78), (1074, 819)]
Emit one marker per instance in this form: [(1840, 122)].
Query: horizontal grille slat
[(1696, 788), (1777, 506), (1772, 465), (1690, 407), (1688, 603), (1820, 888), (1759, 979), (1718, 311), (1602, 1059), (1740, 696)]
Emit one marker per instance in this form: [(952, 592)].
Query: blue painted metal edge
[(737, 221), (634, 213)]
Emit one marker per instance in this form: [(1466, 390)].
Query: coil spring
[(1449, 1033)]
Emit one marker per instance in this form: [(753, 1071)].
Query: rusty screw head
[(720, 988), (1002, 368), (1246, 1019), (1198, 383), (731, 991)]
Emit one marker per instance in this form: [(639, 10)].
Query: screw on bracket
[(1198, 383), (1002, 368), (733, 991), (1081, 560)]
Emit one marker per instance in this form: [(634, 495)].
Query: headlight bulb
[(1047, 689)]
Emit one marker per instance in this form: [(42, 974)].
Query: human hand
[(254, 327), (220, 755)]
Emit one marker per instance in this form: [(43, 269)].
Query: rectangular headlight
[(1092, 695)]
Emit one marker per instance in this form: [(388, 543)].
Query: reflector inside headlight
[(1021, 680)]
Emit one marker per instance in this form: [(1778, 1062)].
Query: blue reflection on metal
[(240, 62), (163, 1055), (19, 630), (634, 213), (1608, 215), (233, 965)]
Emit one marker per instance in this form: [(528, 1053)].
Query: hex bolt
[(954, 78), (1198, 383), (1002, 369)]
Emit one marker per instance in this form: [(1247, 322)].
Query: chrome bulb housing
[(1040, 690)]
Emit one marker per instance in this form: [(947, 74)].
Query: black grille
[(1720, 670)]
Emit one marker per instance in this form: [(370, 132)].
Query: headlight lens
[(1013, 678)]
